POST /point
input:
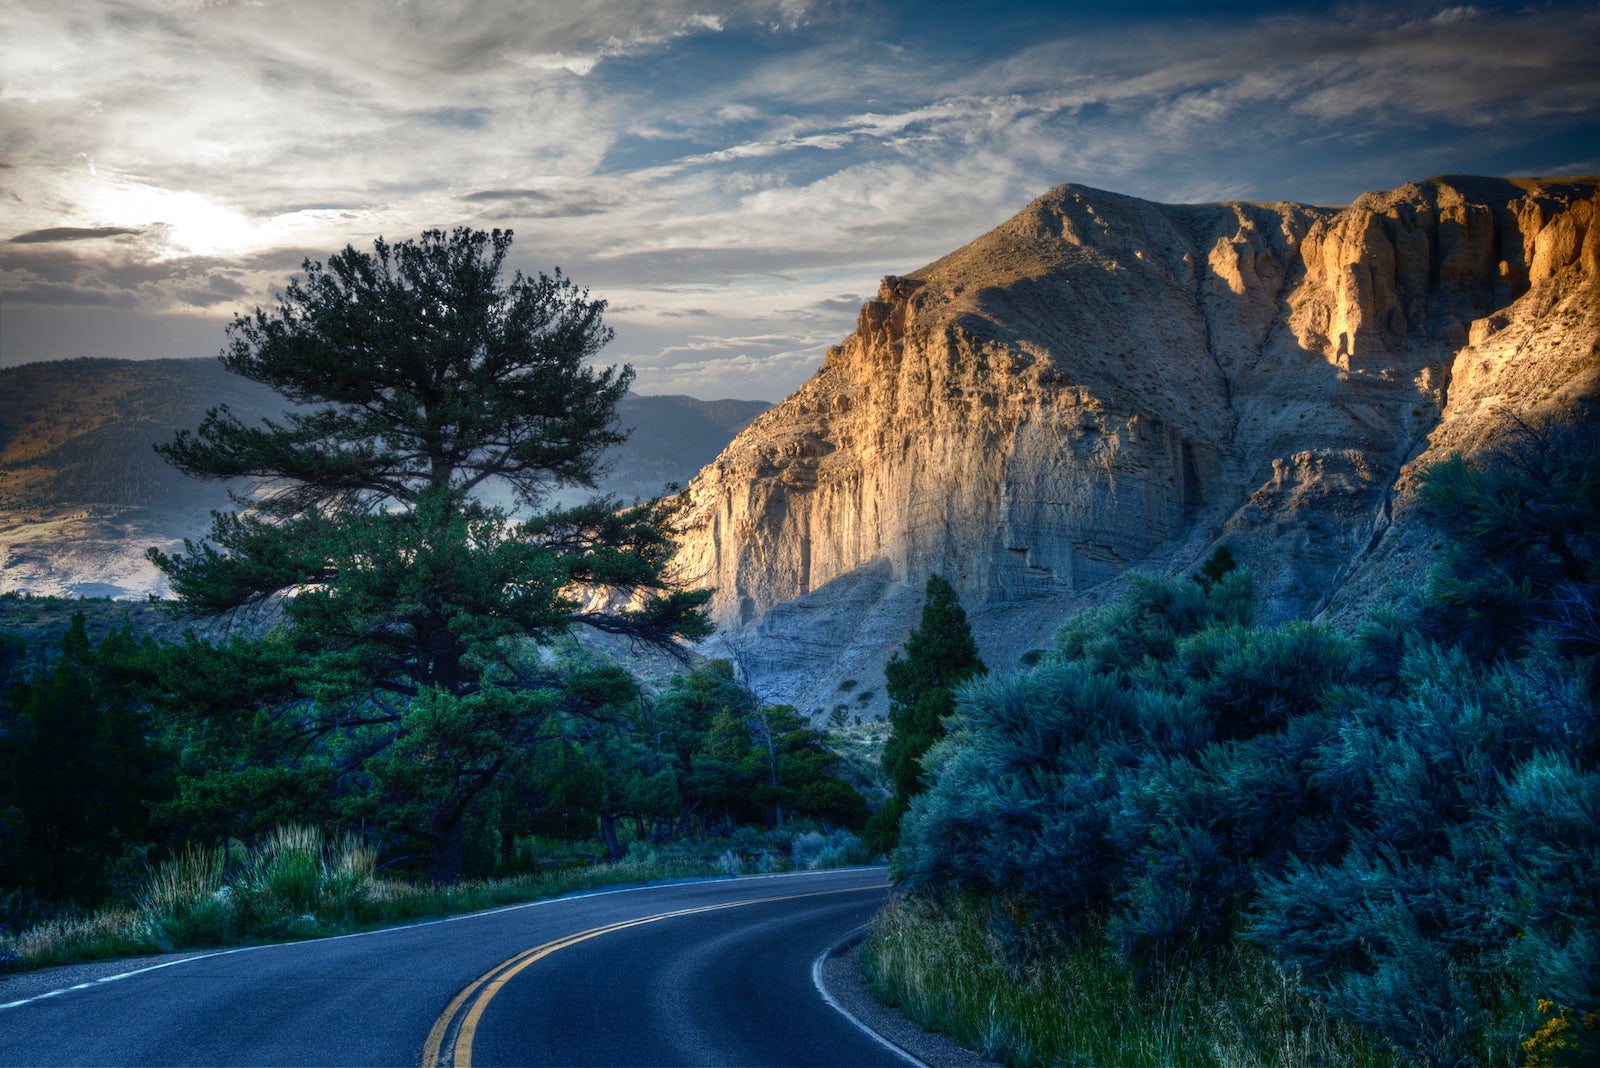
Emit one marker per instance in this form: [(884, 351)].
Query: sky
[(732, 176)]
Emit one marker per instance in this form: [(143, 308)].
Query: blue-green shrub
[(1410, 829), (1026, 789), (1149, 618)]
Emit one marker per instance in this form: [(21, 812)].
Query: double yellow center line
[(463, 1017)]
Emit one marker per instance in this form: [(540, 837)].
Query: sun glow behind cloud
[(184, 223)]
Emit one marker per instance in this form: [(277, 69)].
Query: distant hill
[(79, 434), (673, 437), (83, 493)]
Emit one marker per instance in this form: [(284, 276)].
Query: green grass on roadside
[(297, 885), (948, 970)]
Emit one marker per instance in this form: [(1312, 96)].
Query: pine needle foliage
[(422, 379), (921, 680), (78, 770)]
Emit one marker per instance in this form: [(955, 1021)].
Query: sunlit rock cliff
[(1103, 384)]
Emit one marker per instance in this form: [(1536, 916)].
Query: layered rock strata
[(1103, 384)]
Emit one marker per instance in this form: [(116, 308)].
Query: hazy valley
[(83, 493)]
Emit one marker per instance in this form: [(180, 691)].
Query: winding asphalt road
[(715, 972)]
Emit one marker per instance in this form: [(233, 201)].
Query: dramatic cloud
[(733, 176)]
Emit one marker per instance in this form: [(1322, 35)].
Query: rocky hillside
[(83, 493), (1103, 384)]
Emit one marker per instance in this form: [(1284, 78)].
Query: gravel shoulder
[(841, 974), (21, 986)]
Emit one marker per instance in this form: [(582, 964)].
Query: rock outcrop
[(1103, 384)]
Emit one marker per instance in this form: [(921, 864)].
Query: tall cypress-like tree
[(77, 771), (420, 379), (938, 655)]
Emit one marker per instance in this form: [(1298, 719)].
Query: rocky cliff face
[(1103, 384)]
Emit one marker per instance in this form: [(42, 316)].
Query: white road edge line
[(822, 988), (411, 926)]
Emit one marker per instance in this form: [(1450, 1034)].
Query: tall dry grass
[(948, 969), (294, 884), (68, 940)]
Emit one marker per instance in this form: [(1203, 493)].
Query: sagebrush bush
[(813, 850), (1523, 524), (1148, 620), (1412, 831), (1025, 790), (1254, 681)]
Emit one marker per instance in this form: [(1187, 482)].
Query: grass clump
[(110, 933), (295, 883), (967, 969), (187, 901)]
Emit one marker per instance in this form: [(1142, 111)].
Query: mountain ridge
[(1102, 384)]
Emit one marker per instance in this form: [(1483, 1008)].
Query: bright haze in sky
[(733, 177)]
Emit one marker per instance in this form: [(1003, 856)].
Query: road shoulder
[(841, 975), (29, 985)]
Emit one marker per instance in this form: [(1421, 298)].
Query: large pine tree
[(421, 380)]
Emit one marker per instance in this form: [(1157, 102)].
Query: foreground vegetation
[(424, 699), (122, 759), (1177, 811), (295, 883), (972, 969)]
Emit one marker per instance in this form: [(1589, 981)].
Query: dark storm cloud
[(215, 289), (72, 233), (55, 275), (66, 295), (543, 203)]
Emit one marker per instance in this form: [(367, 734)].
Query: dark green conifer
[(76, 770), (423, 379), (938, 655)]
